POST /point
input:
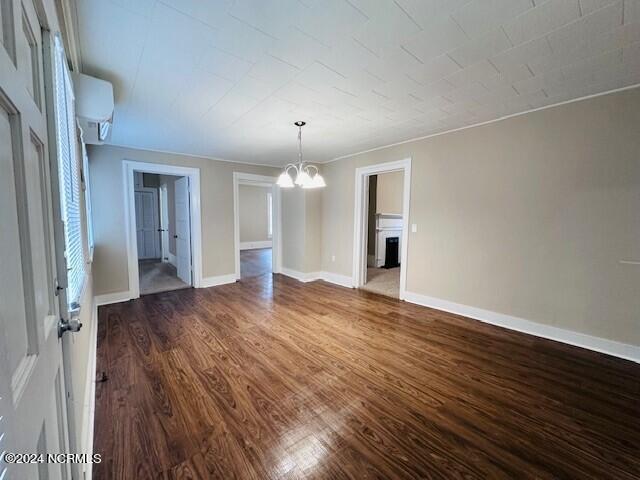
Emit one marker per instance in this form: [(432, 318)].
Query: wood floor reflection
[(270, 378), (255, 262)]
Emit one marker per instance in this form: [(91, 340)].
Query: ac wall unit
[(94, 108)]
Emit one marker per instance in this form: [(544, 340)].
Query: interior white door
[(164, 223), (32, 388), (147, 223), (183, 230)]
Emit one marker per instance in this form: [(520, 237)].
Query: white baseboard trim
[(172, 259), (218, 280), (301, 276), (109, 298), (336, 278), (89, 407), (602, 345), (252, 245)]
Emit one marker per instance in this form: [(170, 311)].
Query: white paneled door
[(164, 222), (147, 223), (32, 381), (183, 230)]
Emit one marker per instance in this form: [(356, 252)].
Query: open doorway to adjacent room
[(384, 233), (257, 224), (163, 229), (256, 230), (382, 208), (163, 232)]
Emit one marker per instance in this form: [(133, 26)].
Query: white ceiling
[(227, 79)]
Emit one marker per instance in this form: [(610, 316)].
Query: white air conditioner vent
[(94, 108)]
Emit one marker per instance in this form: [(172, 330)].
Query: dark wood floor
[(272, 378), (255, 262)]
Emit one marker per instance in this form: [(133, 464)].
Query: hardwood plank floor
[(270, 378), (255, 262)]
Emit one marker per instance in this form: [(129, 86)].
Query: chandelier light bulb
[(284, 180), (304, 173), (303, 179)]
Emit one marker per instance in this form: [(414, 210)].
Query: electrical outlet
[(333, 258)]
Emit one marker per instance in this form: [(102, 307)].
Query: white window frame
[(70, 178), (86, 184)]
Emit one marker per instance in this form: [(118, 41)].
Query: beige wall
[(529, 216), (372, 201), (302, 229), (389, 192), (78, 345), (293, 229), (216, 187), (254, 213), (313, 230)]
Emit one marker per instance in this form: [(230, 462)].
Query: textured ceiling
[(227, 79)]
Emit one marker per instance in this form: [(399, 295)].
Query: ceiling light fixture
[(306, 176)]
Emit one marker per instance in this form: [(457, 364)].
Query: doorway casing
[(361, 221), (240, 178), (128, 169)]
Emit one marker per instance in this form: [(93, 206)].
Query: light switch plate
[(414, 227)]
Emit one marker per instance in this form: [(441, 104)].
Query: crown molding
[(488, 122), (382, 147), (205, 157)]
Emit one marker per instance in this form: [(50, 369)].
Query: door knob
[(71, 325), (175, 236)]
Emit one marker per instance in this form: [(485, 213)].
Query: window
[(87, 200), (69, 172), (269, 215)]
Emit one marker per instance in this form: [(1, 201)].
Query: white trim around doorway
[(240, 178), (128, 169), (360, 219)]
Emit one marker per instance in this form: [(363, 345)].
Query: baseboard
[(336, 278), (89, 407), (602, 345), (172, 259), (218, 280), (301, 276), (252, 245), (109, 298)]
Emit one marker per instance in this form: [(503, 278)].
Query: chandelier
[(306, 176)]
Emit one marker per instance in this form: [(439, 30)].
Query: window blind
[(69, 171)]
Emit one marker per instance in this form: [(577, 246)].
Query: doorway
[(162, 204), (384, 233), (381, 227), (255, 214), (257, 208), (163, 232)]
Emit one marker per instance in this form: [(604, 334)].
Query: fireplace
[(391, 259)]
